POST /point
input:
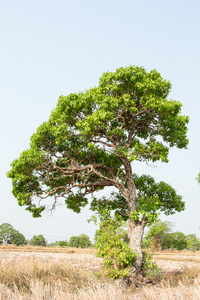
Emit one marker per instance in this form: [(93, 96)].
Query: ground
[(57, 273), (170, 261)]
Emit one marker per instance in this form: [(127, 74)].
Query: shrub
[(38, 240), (62, 244), (118, 258), (82, 241)]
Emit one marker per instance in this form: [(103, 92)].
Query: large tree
[(6, 231), (9, 235), (91, 141)]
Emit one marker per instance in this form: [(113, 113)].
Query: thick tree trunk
[(135, 234)]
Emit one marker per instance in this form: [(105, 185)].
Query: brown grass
[(28, 248), (46, 278)]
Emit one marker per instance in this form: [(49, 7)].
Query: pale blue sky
[(49, 48)]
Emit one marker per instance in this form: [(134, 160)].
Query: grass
[(21, 273), (27, 278), (184, 256), (28, 248)]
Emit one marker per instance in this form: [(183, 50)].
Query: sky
[(49, 48)]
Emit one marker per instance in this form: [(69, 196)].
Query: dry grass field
[(69, 273)]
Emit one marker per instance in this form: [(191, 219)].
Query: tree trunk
[(135, 234), (4, 241)]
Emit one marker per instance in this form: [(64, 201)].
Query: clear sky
[(49, 48)]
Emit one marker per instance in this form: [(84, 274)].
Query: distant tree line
[(80, 241), (9, 235), (161, 237)]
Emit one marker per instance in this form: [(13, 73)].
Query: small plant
[(149, 267)]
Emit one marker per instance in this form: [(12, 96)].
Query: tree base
[(138, 279)]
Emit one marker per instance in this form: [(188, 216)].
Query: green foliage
[(178, 241), (146, 243), (149, 267), (90, 137), (160, 238), (118, 258), (62, 244), (38, 240), (74, 241), (90, 142), (151, 198), (6, 230), (198, 178), (17, 238), (157, 233), (174, 240), (9, 234), (81, 241), (193, 242), (84, 241)]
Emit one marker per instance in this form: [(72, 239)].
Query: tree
[(6, 230), (17, 238), (38, 240), (9, 235), (178, 240), (74, 241), (82, 241), (193, 242), (91, 141), (157, 233), (62, 243)]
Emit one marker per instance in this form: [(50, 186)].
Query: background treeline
[(160, 237), (9, 235)]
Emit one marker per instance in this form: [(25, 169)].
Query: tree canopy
[(92, 137)]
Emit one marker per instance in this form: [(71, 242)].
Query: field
[(69, 273)]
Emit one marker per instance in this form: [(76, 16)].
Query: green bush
[(38, 240), (62, 244), (118, 258), (81, 241)]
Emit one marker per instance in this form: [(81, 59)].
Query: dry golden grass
[(28, 248), (189, 256), (44, 276)]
